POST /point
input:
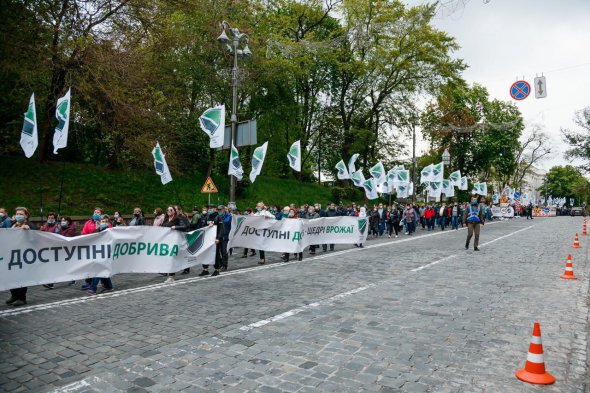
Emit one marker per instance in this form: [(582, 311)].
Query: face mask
[(117, 216), (258, 209), (64, 224), (50, 222), (291, 214), (210, 211), (104, 225), (474, 202), (19, 218), (136, 214), (1, 215), (96, 217), (332, 208), (311, 212)]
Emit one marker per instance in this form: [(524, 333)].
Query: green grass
[(87, 186)]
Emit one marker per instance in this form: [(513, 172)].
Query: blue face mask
[(96, 217), (474, 202), (19, 218), (64, 224), (104, 225), (50, 222), (210, 211)]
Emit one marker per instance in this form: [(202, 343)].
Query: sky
[(502, 40)]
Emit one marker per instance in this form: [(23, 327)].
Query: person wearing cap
[(214, 219)]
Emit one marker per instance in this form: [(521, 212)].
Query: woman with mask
[(18, 296), (92, 225), (118, 220), (51, 225), (171, 221), (103, 225), (159, 217)]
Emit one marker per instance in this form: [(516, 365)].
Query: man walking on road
[(473, 217)]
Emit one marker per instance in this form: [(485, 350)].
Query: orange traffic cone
[(569, 269), (584, 233), (534, 368), (576, 242)]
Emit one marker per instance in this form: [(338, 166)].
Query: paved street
[(413, 314)]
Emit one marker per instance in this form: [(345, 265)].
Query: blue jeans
[(381, 227), (443, 222), (411, 227), (455, 222), (106, 282)]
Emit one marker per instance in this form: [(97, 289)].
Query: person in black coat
[(214, 219)]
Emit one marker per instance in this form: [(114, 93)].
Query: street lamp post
[(446, 157), (245, 52)]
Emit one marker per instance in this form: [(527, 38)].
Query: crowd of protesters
[(383, 220)]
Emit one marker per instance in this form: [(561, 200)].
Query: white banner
[(35, 257), (503, 211), (294, 235)]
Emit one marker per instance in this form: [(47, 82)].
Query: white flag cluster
[(480, 189)]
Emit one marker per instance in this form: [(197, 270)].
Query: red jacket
[(429, 213)]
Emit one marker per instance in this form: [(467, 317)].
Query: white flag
[(160, 165), (370, 188), (448, 188), (426, 174), (402, 177), (484, 189), (411, 189), (235, 166), (358, 178), (351, 167), (62, 113), (438, 172), (435, 189), (378, 173), (464, 186), (294, 156), (342, 170), (403, 190), (213, 124), (455, 178), (28, 136), (257, 161)]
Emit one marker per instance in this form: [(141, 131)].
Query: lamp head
[(223, 38)]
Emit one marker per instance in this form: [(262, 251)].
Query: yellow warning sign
[(209, 187)]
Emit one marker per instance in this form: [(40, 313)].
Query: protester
[(93, 224), (107, 284), (50, 226), (285, 257), (159, 217), (392, 220), (226, 218), (410, 218), (18, 296), (330, 212), (5, 221), (311, 215), (215, 220), (261, 211), (374, 222), (118, 220)]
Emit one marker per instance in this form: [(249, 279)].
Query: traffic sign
[(209, 187), (540, 87), (520, 90)]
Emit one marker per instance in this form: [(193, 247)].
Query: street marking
[(505, 236), (433, 263), (298, 310), (86, 299), (77, 386)]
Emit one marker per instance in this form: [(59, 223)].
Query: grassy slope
[(87, 186)]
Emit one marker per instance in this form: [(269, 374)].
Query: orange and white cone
[(534, 368), (576, 242), (584, 233), (569, 269)]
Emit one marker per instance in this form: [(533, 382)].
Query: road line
[(86, 299), (77, 386), (299, 310)]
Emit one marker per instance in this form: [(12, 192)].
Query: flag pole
[(61, 186), (177, 195), (40, 188)]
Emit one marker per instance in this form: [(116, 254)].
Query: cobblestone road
[(413, 314)]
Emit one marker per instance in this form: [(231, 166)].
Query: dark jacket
[(226, 226), (331, 213), (70, 231), (135, 221)]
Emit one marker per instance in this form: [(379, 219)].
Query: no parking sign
[(520, 90)]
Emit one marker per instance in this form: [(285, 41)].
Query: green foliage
[(87, 186), (566, 181), (481, 135), (579, 140)]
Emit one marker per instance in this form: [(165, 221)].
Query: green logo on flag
[(210, 120), (195, 241), (293, 155), (29, 125), (239, 222), (362, 226)]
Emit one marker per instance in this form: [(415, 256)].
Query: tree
[(534, 147), (481, 135), (566, 182), (580, 140)]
